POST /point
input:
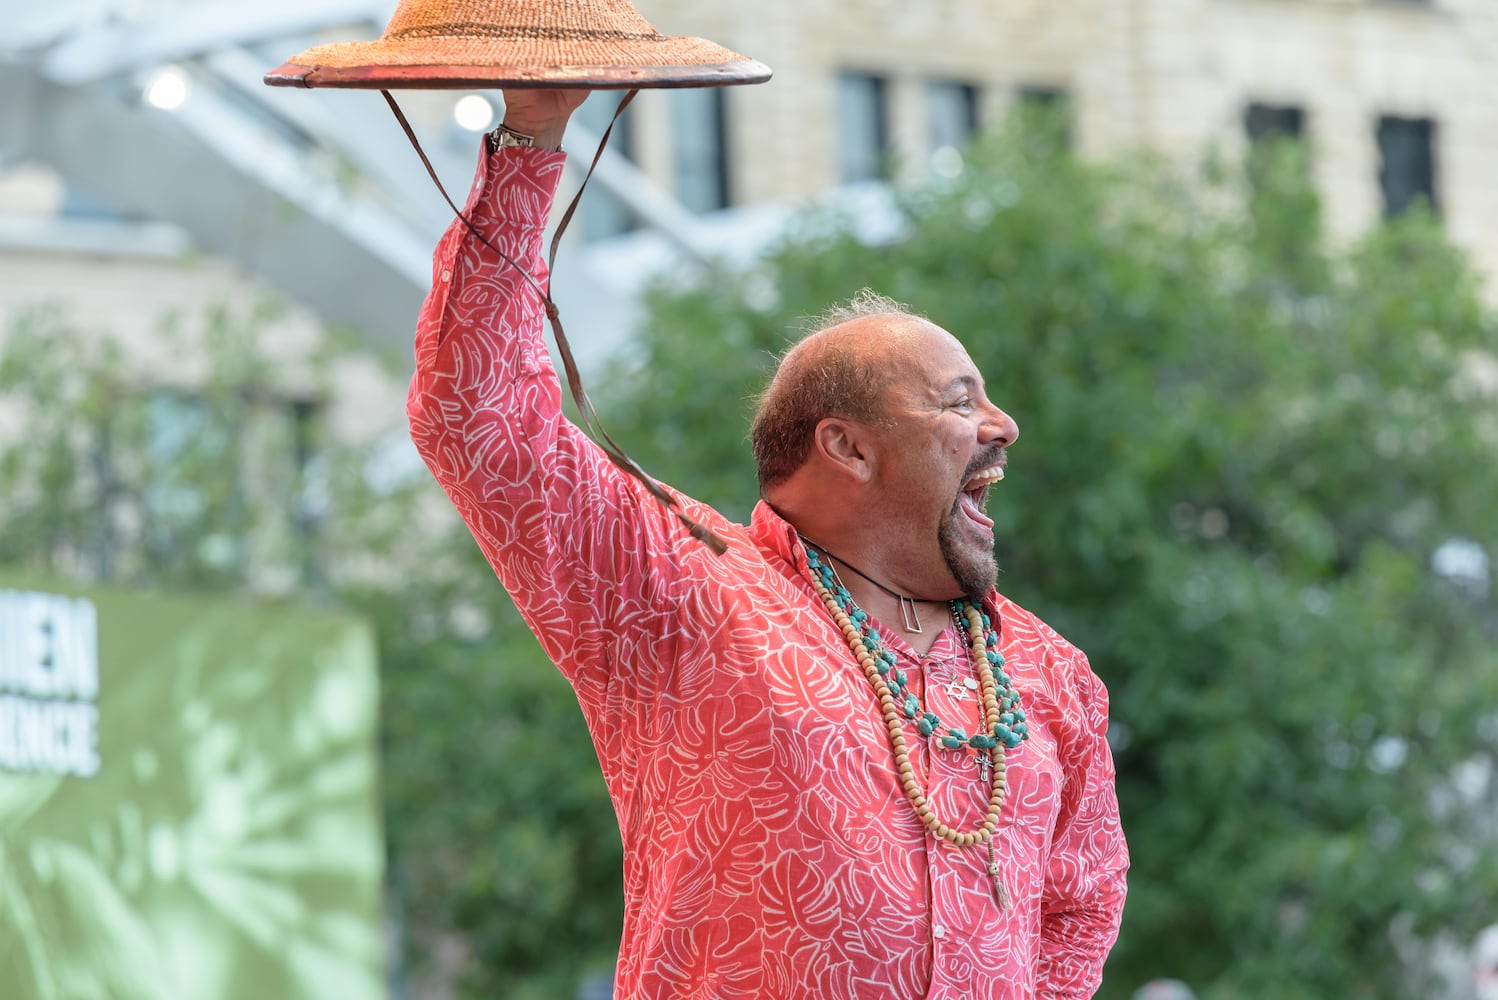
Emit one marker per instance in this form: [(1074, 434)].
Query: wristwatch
[(505, 136)]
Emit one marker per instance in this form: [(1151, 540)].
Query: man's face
[(942, 448)]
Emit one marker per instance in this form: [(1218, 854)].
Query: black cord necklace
[(910, 618)]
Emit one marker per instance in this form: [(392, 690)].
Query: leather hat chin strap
[(585, 409)]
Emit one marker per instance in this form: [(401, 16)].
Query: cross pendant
[(983, 765)]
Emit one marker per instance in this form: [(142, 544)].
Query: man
[(834, 777)]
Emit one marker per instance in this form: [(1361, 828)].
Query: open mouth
[(974, 496)]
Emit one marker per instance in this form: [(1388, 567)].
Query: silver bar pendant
[(909, 617)]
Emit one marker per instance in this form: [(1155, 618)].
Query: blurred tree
[(1255, 479), (503, 849)]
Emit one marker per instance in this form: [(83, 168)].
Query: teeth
[(992, 474)]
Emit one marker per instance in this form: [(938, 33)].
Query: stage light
[(168, 89), (473, 112)]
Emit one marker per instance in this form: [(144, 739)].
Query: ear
[(846, 446)]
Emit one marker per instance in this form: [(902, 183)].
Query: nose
[(998, 427)]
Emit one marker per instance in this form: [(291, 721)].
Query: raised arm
[(574, 540)]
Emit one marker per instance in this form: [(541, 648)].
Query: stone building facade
[(1395, 98)]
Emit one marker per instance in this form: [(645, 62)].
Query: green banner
[(188, 799)]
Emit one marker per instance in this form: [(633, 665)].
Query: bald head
[(841, 369)]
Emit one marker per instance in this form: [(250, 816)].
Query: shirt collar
[(775, 537)]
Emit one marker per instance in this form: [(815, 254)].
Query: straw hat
[(474, 44)]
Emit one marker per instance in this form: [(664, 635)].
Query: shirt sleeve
[(586, 554), (1085, 875)]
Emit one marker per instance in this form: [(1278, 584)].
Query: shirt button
[(447, 275), (938, 931)]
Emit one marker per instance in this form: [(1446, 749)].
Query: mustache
[(994, 456)]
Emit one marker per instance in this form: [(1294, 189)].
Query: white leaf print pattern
[(769, 851)]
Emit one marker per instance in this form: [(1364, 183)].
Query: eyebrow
[(969, 382)]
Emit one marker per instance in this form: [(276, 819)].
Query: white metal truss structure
[(316, 192)]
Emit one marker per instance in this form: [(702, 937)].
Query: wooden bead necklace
[(1003, 717)]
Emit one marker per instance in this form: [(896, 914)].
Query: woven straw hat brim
[(576, 60)]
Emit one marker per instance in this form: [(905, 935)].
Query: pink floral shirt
[(769, 850)]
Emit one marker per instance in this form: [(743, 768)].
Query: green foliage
[(154, 484), (1239, 453), (504, 854)]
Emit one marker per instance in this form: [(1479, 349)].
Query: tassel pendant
[(1000, 894)]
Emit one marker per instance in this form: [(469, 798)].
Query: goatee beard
[(976, 572)]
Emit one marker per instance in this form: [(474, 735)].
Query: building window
[(863, 127), (1265, 123), (231, 477), (181, 438), (603, 214), (1043, 97), (1407, 171), (1270, 129), (699, 148), (951, 113), (951, 120), (1047, 111)]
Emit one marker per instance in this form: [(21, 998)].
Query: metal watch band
[(503, 135)]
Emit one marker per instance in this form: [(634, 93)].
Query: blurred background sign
[(188, 799)]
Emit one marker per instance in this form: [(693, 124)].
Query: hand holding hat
[(542, 114)]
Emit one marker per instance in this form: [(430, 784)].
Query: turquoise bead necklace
[(1009, 730), (1003, 718)]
